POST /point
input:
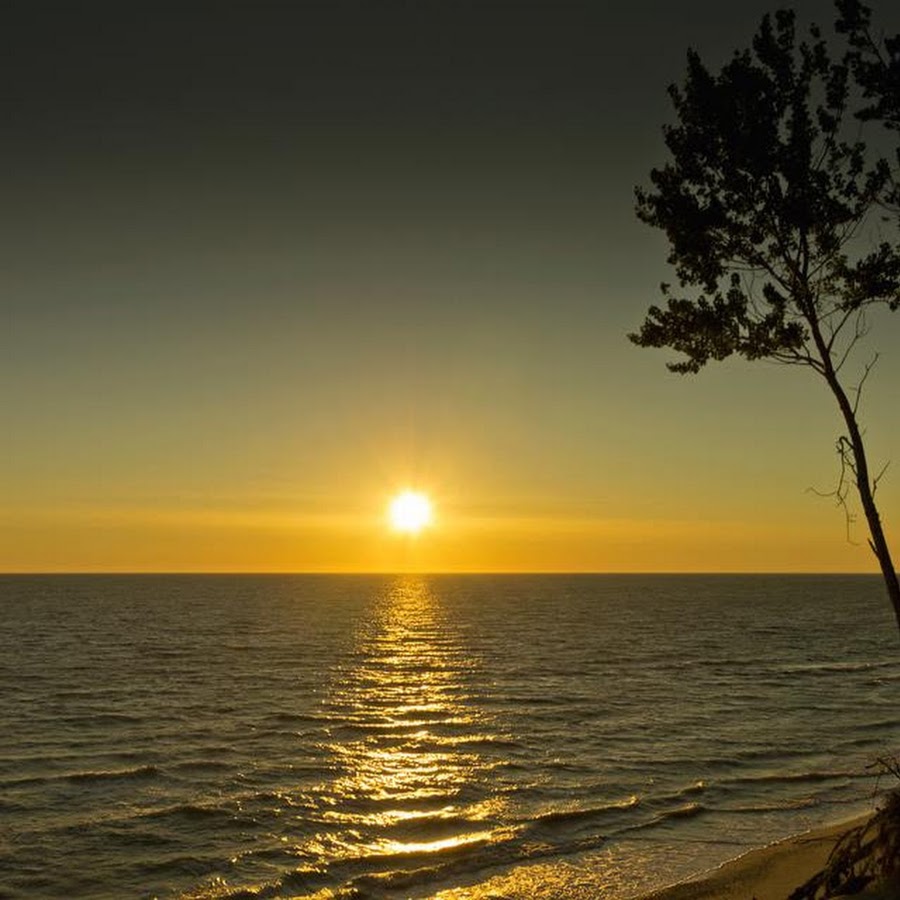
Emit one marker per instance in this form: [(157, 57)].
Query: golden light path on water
[(404, 736), (419, 792)]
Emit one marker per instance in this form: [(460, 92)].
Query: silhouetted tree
[(770, 211)]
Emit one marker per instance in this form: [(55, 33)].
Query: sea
[(318, 736)]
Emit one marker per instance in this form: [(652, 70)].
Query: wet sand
[(769, 873)]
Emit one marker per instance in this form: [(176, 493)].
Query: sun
[(409, 512)]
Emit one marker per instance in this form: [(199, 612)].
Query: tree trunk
[(877, 540)]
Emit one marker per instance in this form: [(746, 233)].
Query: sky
[(263, 265)]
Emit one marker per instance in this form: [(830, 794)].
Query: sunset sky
[(265, 265)]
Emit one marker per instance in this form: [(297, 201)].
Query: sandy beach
[(768, 873)]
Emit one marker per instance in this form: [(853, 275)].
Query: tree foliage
[(763, 203), (875, 63)]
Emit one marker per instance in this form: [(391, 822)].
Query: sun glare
[(409, 512)]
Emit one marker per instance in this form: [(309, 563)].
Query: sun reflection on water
[(404, 731)]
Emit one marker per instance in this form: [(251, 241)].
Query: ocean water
[(452, 737)]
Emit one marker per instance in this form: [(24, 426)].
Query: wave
[(580, 815), (723, 754), (775, 806), (88, 719), (811, 777), (191, 812), (688, 811), (685, 811), (811, 668), (199, 766), (113, 774), (88, 775)]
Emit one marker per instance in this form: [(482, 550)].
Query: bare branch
[(878, 477), (860, 330), (835, 330), (862, 381), (842, 490)]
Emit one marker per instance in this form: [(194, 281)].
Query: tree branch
[(842, 490)]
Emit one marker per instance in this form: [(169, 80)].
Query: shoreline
[(766, 873)]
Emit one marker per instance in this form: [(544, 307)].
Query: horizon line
[(394, 574)]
